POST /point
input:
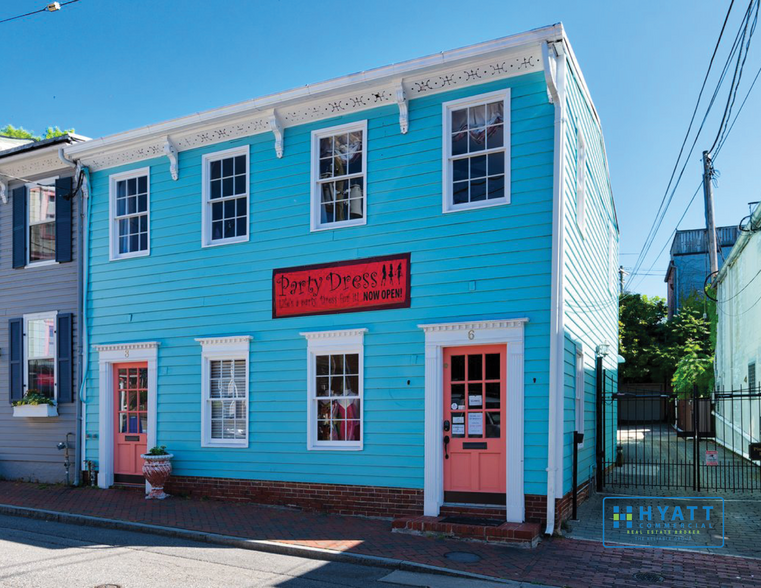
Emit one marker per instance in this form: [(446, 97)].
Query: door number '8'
[(126, 353)]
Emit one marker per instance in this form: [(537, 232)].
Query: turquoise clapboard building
[(479, 172)]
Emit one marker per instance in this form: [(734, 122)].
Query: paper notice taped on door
[(458, 430), (475, 424)]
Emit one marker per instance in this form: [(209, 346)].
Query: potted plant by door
[(157, 467), (34, 404)]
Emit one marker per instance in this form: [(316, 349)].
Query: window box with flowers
[(35, 405)]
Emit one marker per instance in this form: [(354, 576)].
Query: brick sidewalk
[(561, 562)]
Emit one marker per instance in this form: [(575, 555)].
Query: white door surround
[(108, 355), (438, 336)]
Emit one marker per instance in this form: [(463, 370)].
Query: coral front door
[(131, 421), (473, 428)]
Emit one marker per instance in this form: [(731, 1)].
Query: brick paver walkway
[(561, 562)]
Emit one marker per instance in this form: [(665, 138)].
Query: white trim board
[(108, 355), (438, 336)]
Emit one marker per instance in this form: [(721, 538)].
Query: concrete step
[(525, 534)]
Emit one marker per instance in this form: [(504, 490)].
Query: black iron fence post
[(696, 440), (600, 426)]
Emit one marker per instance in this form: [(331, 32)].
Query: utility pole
[(713, 257), (621, 274)]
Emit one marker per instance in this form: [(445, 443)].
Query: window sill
[(476, 205), (41, 264), (339, 225), (353, 447), (35, 411), (225, 242), (223, 445), (130, 255)]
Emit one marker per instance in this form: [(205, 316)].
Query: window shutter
[(19, 227), (63, 205), (65, 357), (16, 335)]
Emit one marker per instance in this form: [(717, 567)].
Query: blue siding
[(479, 264), (591, 294)]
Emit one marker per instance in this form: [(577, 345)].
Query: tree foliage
[(22, 133), (679, 351)]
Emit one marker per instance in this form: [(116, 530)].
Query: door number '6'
[(471, 334)]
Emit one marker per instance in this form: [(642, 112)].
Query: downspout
[(554, 63), (78, 436), (83, 349)]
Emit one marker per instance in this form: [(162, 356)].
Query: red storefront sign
[(347, 286)]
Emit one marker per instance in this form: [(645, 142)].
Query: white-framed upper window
[(225, 178), (476, 166), (339, 176), (335, 384), (130, 213), (40, 224), (581, 180), (580, 382), (40, 354), (224, 391)]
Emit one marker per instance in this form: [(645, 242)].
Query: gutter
[(84, 234), (556, 54)]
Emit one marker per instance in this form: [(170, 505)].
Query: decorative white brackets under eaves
[(277, 130), (174, 163), (3, 191), (404, 112)]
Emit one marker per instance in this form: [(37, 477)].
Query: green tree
[(692, 344), (21, 133), (642, 339)]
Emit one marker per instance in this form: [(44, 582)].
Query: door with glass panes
[(131, 421), (473, 427)]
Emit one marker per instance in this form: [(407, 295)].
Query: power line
[(671, 235), (654, 228), (742, 56), (52, 7), (660, 215), (737, 114)]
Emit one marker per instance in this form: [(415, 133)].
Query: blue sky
[(103, 66)]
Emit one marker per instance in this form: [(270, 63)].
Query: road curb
[(250, 544)]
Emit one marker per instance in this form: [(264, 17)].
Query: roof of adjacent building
[(68, 138)]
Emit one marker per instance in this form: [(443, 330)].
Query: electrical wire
[(737, 114), (45, 9), (671, 236), (742, 56), (658, 215)]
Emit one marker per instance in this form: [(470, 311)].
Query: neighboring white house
[(738, 346)]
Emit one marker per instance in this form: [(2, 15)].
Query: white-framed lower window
[(339, 176), (476, 148), (41, 222), (581, 180), (335, 384), (580, 377), (130, 213), (224, 391), (225, 188), (40, 354)]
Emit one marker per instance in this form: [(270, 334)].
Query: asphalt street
[(40, 554)]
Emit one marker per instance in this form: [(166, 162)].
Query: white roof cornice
[(475, 64)]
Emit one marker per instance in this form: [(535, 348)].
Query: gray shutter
[(65, 357), (63, 205), (19, 227), (16, 336)]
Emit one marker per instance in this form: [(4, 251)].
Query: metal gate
[(701, 442)]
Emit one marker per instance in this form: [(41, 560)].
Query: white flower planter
[(35, 411)]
